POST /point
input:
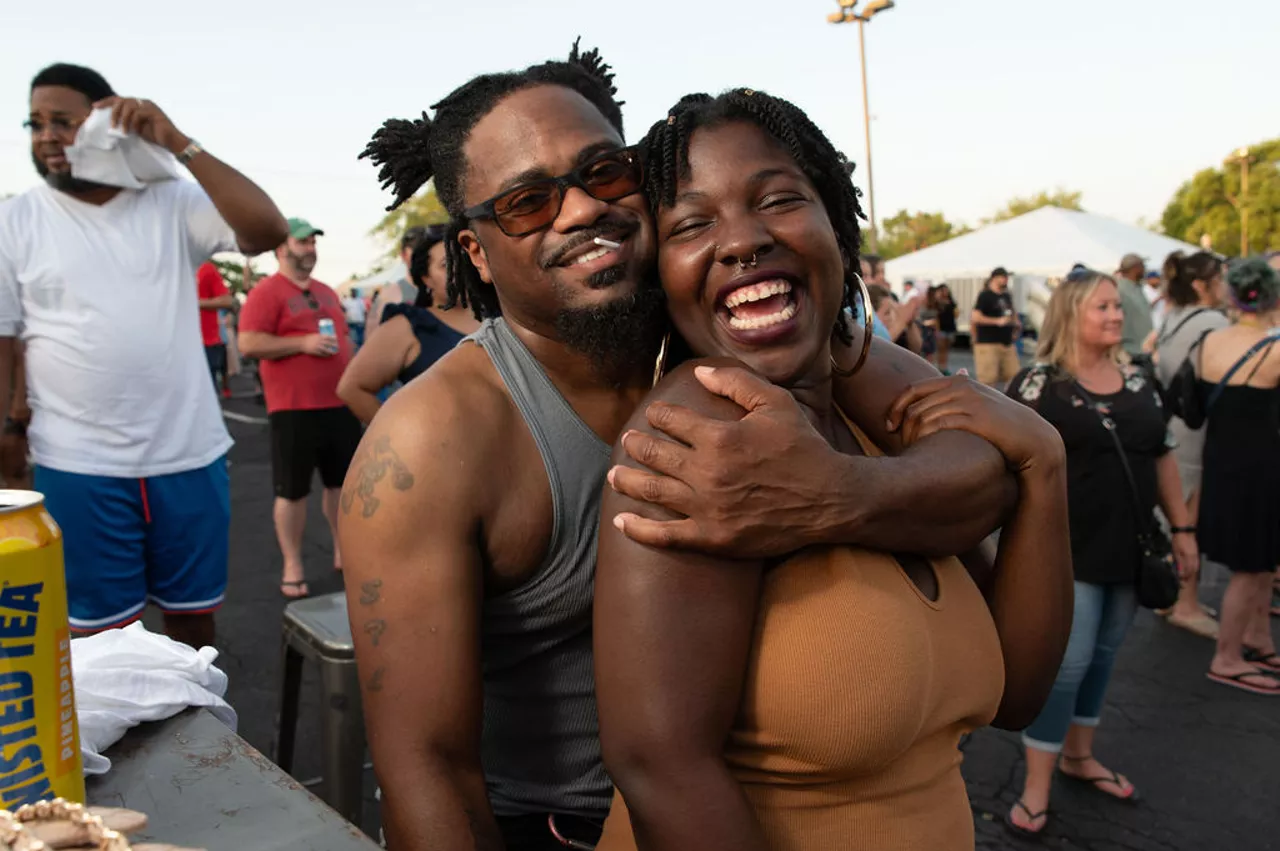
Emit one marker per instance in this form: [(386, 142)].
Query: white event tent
[(1038, 248), (364, 286)]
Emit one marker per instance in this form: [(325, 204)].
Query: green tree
[(1207, 204), (907, 232), (1021, 206), (233, 273), (422, 209)]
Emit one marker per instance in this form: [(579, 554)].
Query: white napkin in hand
[(108, 155)]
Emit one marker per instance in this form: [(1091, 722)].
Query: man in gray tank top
[(469, 521)]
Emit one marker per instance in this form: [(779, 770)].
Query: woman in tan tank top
[(815, 703)]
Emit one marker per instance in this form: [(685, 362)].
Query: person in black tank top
[(1239, 522), (409, 337)]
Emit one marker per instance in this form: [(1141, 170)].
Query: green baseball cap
[(301, 229)]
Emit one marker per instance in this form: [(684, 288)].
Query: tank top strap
[(868, 446), (537, 398)]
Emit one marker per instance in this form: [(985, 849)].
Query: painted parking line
[(244, 418)]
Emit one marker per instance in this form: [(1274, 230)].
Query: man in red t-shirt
[(300, 363), (214, 296)]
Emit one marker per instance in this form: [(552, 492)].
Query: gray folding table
[(202, 786)]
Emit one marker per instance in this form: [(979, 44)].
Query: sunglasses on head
[(533, 206)]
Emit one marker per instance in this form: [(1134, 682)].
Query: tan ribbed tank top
[(858, 689)]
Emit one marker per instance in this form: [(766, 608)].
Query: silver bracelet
[(190, 152)]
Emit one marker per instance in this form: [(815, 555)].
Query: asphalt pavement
[(1205, 758)]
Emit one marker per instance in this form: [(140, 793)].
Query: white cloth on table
[(124, 677), (105, 154)]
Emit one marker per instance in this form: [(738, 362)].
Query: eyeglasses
[(60, 126), (311, 301), (535, 205)]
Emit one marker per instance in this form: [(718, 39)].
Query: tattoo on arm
[(370, 592), (376, 461), (375, 630), (375, 681)]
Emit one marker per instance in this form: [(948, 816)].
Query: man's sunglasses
[(535, 205)]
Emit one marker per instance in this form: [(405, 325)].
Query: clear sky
[(971, 103)]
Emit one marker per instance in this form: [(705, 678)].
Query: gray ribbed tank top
[(541, 745)]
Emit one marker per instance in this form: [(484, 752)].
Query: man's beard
[(620, 335), (64, 182), (303, 263)]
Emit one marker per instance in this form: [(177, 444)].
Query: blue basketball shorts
[(129, 541)]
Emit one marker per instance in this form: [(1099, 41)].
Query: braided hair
[(666, 153), (409, 153)]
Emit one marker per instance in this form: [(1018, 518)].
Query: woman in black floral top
[(1080, 367)]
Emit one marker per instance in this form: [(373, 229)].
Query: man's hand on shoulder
[(742, 488)]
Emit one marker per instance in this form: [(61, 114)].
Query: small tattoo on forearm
[(370, 592), (375, 629), (375, 681), (375, 462)]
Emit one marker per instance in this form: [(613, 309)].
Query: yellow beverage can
[(39, 736)]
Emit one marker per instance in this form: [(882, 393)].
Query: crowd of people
[(639, 461)]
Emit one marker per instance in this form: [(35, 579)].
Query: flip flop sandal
[(1094, 783), (1238, 681), (1026, 832), (300, 584), (1201, 625), (1270, 661)]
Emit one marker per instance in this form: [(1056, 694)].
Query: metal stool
[(317, 628)]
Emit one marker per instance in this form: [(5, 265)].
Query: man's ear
[(470, 243)]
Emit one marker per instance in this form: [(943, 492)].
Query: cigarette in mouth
[(605, 243)]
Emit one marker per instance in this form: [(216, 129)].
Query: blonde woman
[(1086, 388)]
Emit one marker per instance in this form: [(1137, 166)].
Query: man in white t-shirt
[(126, 431), (353, 307)]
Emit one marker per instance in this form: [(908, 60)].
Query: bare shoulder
[(681, 387), (440, 428)]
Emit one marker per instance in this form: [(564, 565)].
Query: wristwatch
[(190, 152), (12, 426)]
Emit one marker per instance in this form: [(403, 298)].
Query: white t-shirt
[(354, 308), (1159, 304), (104, 297)]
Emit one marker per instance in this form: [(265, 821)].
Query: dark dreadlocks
[(409, 153), (666, 153)]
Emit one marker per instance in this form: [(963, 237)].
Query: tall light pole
[(847, 14), (1242, 159)]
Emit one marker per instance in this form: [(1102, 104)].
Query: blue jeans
[(1103, 615)]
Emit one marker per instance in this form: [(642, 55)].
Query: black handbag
[(1157, 580), (1183, 398)]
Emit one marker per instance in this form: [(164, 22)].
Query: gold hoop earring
[(868, 331), (660, 365)]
